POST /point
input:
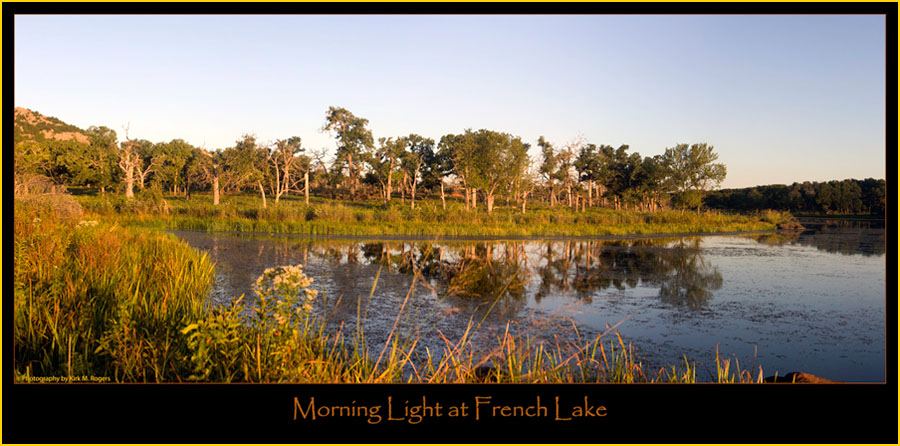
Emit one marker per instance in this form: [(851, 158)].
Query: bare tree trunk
[(524, 199), (129, 182), (306, 186), (466, 193), (263, 192), (216, 190), (590, 193), (286, 185), (403, 189), (443, 202), (277, 185), (352, 176), (390, 176)]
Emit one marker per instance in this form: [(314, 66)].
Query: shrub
[(775, 217), (61, 205)]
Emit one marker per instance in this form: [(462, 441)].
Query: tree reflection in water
[(504, 271), (848, 237), (692, 280), (676, 266)]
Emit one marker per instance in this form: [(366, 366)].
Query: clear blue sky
[(782, 98)]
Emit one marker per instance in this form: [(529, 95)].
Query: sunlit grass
[(94, 298), (243, 213)]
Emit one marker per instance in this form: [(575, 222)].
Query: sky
[(781, 98)]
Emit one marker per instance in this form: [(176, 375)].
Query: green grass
[(243, 213)]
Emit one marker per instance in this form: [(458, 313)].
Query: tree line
[(476, 165), (832, 197)]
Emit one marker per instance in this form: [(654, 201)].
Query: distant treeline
[(832, 197)]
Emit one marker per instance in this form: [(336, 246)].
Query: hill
[(33, 126)]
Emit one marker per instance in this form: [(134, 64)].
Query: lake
[(811, 301)]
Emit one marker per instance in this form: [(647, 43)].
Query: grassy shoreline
[(244, 213)]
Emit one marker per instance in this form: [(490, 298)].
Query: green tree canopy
[(352, 139), (693, 171)]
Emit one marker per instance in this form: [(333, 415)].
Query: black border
[(240, 413)]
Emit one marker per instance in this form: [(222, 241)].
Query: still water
[(811, 301)]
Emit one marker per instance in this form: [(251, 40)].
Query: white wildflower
[(287, 281)]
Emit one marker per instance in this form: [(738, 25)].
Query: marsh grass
[(92, 298), (243, 213)]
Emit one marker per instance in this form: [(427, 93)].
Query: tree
[(693, 171), (622, 174), (131, 161), (566, 158), (440, 166), (149, 160), (549, 166), (244, 166), (653, 181), (30, 159), (283, 159), (420, 151), (171, 170), (528, 181), (95, 163), (458, 153), (384, 160), (352, 137), (591, 165), (204, 168), (499, 159)]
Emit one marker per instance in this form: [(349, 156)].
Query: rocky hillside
[(33, 126)]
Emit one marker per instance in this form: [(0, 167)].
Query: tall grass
[(243, 213), (92, 298)]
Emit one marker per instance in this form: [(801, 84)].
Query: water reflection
[(848, 237), (491, 270), (692, 281)]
